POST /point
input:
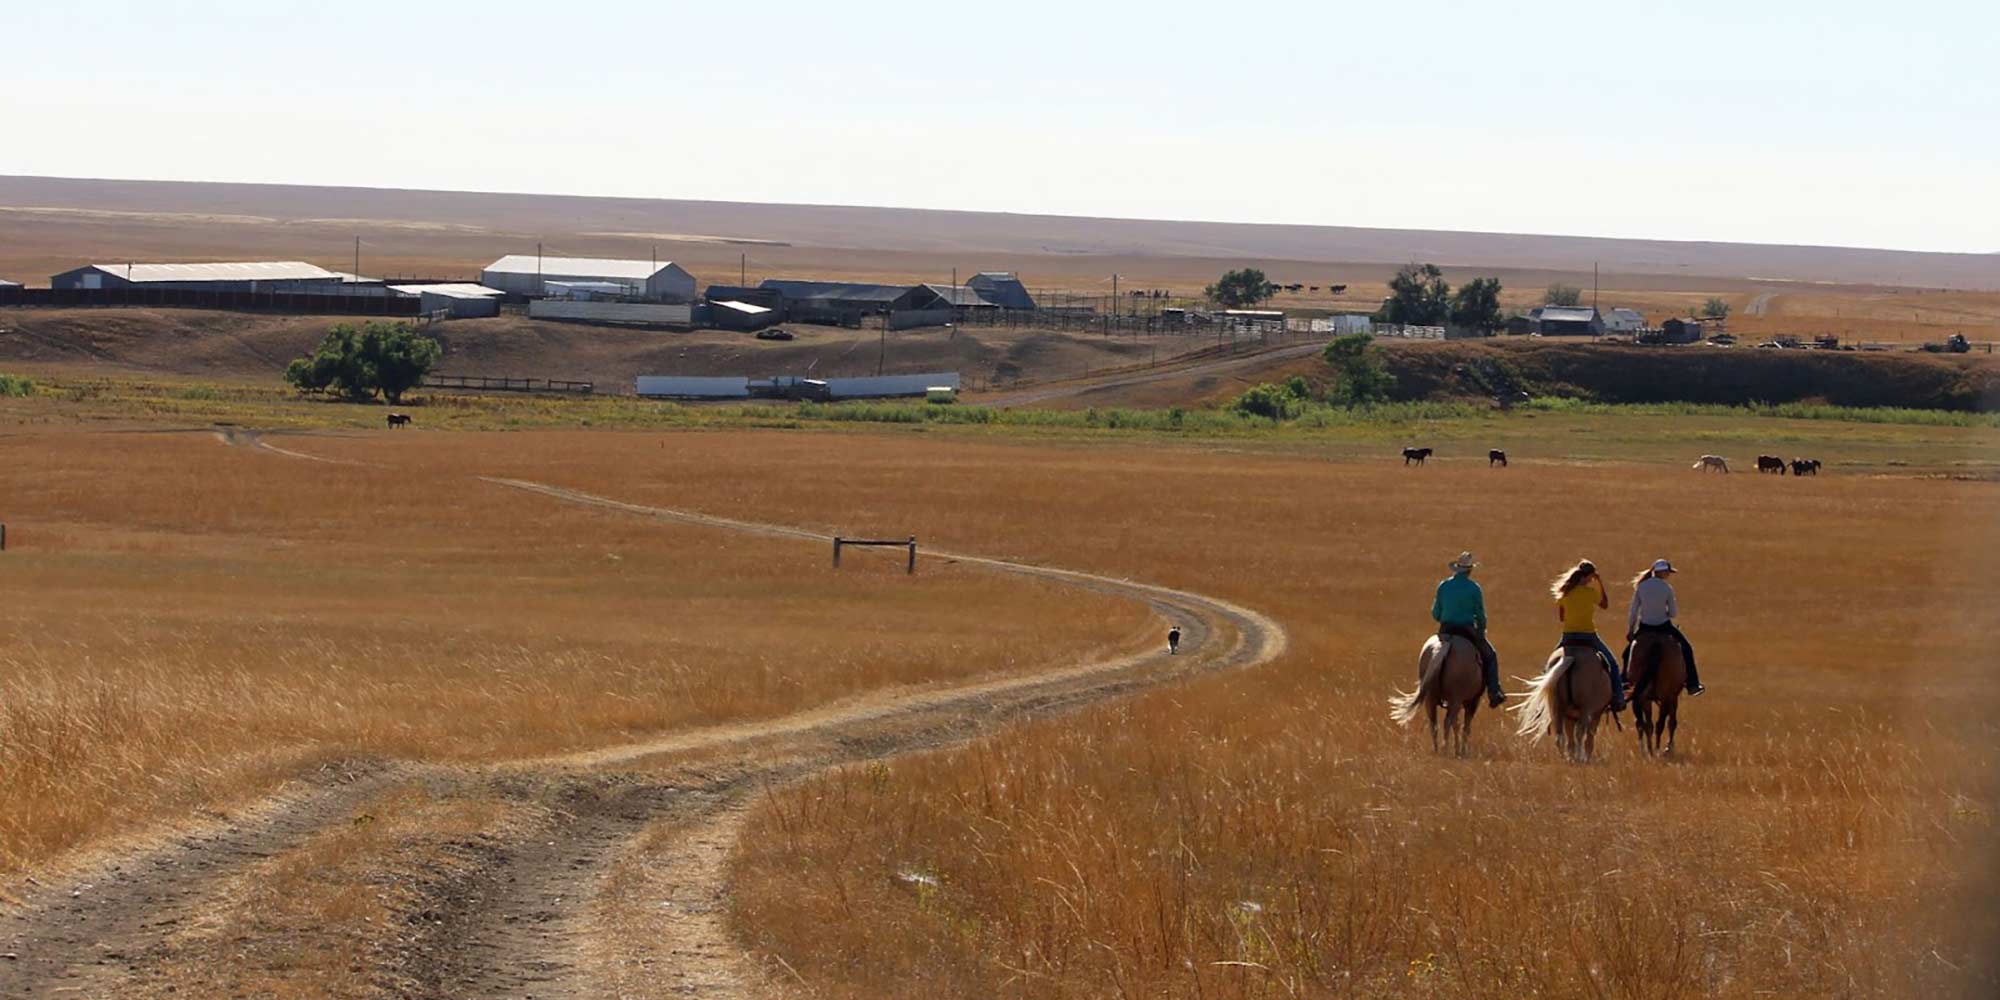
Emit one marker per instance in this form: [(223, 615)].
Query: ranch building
[(843, 302), (1624, 321), (732, 314), (458, 301), (1569, 321), (529, 275), (1681, 331), (250, 276), (1002, 288)]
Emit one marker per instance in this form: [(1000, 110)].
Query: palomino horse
[(1708, 462), (1569, 699), (1660, 653), (1448, 675)]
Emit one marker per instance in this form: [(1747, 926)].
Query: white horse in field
[(1707, 462)]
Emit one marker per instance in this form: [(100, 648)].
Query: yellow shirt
[(1579, 608)]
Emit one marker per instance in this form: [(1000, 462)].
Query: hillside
[(456, 231), (1615, 373)]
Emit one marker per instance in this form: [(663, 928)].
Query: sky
[(1771, 121)]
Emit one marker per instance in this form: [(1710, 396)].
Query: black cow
[(1496, 457), (1416, 455), (1771, 463)]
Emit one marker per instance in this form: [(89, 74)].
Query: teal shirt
[(1459, 602)]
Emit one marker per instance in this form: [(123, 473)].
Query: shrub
[(16, 385)]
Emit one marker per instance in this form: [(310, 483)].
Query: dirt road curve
[(1218, 366), (1761, 305), (543, 910)]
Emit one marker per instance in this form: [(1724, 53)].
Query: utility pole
[(742, 270), (1593, 284), (539, 287), (882, 356), (357, 256), (1114, 299)]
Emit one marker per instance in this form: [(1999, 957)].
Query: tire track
[(531, 919)]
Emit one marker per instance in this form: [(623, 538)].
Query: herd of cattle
[(1765, 463)]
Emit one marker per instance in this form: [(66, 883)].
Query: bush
[(16, 385), (385, 358), (1274, 402), (1359, 374)]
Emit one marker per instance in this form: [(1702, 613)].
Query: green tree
[(397, 358), (1359, 373), (1238, 289), (1476, 305), (1715, 308), (1418, 296), (1560, 294), (385, 358)]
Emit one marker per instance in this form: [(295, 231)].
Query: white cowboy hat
[(1465, 562), (1663, 566)]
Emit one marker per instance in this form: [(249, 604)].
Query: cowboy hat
[(1465, 562), (1663, 566)]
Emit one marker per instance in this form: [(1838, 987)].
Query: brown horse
[(1569, 699), (1448, 675), (1660, 653)]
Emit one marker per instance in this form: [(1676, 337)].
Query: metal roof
[(746, 308), (1568, 314), (10, 284), (960, 295), (270, 270), (842, 291), (458, 290), (596, 267)]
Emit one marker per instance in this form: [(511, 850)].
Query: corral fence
[(189, 298), (507, 383), (910, 543)]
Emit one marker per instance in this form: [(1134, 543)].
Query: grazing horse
[(1805, 467), (1496, 457), (398, 420), (1569, 699), (1657, 654), (1416, 455), (1174, 641), (1770, 463), (1707, 462), (1448, 675)]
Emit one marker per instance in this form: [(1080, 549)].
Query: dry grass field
[(186, 623), (189, 622)]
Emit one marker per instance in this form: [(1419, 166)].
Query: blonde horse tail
[(1538, 709), (1403, 706), (1698, 463)]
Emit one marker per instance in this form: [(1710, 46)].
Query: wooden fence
[(910, 543), (507, 383)]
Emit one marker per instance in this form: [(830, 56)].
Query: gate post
[(913, 555), (836, 552)]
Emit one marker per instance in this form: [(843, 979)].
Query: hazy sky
[(1834, 122)]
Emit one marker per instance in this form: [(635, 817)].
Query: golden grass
[(1827, 830), (186, 623)]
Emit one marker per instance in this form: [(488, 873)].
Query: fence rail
[(183, 298), (910, 543), (507, 383)]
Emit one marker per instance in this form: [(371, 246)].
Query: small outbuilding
[(529, 275), (730, 314), (1569, 321), (1624, 321), (1681, 331), (459, 301)]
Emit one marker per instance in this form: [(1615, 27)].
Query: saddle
[(1587, 651)]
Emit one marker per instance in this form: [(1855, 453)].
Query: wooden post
[(913, 555), (3, 537), (836, 552)]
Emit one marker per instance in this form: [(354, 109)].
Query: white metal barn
[(245, 276), (1623, 321), (529, 275), (459, 301)]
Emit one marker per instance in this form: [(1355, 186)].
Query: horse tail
[(1403, 706), (1539, 709), (1698, 463)]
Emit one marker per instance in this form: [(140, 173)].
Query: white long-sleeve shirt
[(1652, 604)]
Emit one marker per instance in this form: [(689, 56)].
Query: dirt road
[(1108, 384), (609, 878)]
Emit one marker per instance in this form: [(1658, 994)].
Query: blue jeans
[(1610, 660)]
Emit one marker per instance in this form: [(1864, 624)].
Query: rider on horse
[(1579, 593), (1460, 610), (1653, 610)]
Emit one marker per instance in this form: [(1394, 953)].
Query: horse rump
[(1771, 463), (1417, 455)]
